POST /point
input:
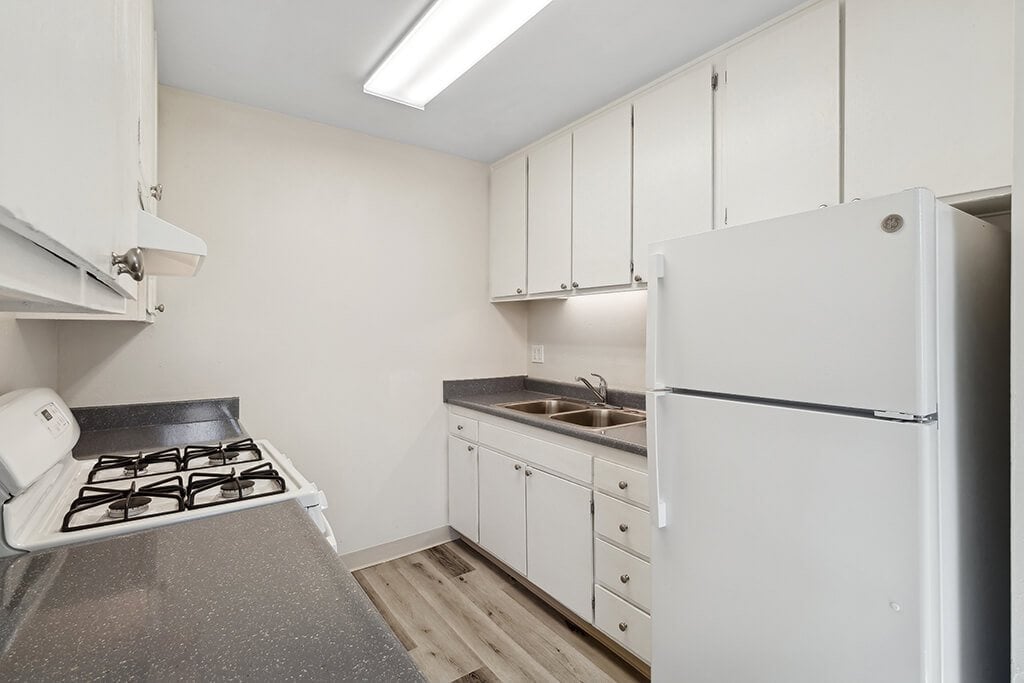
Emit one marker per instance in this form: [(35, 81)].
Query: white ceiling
[(309, 58)]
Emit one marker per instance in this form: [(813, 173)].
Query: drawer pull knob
[(623, 626), (459, 428), (623, 528), (623, 485), (529, 473), (469, 448), (518, 467), (624, 578), (519, 290)]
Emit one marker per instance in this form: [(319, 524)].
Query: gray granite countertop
[(493, 392), (249, 595)]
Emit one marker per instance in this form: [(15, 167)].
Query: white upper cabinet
[(508, 228), (929, 96), (602, 151), (149, 189), (673, 148), (69, 128), (780, 135), (549, 221)]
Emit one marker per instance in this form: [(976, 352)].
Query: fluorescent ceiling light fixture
[(448, 39)]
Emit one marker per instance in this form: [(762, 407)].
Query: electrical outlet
[(537, 353)]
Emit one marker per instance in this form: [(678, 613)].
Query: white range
[(52, 499)]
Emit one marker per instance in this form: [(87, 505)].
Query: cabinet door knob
[(529, 473), (623, 528), (518, 467), (129, 262), (563, 286), (159, 309), (519, 290), (638, 278), (623, 626), (623, 485), (156, 191), (575, 284), (459, 428), (469, 448), (624, 578)]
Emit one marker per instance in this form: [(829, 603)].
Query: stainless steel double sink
[(579, 413)]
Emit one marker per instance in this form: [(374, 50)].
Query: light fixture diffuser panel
[(445, 43)]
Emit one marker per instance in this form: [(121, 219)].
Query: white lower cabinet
[(559, 540), (463, 488), (503, 508), (568, 516), (626, 624)]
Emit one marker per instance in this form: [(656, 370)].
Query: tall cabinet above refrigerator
[(829, 447)]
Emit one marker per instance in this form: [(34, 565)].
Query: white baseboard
[(359, 559)]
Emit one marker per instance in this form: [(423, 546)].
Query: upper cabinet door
[(929, 97), (672, 162), (508, 228), (148, 110), (549, 222), (780, 119), (69, 129), (601, 199)]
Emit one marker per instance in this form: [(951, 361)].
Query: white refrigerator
[(828, 438)]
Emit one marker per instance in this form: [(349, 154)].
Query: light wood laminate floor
[(463, 619)]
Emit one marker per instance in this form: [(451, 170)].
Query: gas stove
[(54, 499)]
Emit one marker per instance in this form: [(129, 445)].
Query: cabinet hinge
[(591, 508), (593, 602), (727, 215), (714, 80)]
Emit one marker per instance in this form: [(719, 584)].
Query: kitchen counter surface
[(253, 594), (631, 438)]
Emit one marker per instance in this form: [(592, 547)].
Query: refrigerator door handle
[(658, 512), (655, 274)]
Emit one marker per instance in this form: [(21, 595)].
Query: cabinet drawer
[(463, 427), (622, 523), (621, 481), (623, 622), (623, 574)]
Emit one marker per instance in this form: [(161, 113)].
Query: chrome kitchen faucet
[(601, 391)]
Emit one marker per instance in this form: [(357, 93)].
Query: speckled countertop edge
[(630, 438)]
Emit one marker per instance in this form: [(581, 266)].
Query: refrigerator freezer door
[(799, 546), (831, 307)]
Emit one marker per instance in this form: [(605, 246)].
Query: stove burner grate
[(132, 466), (221, 454), (124, 504), (233, 486)]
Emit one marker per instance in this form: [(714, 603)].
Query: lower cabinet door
[(560, 540), (503, 508), (462, 488)]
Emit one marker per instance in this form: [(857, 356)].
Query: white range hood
[(167, 249)]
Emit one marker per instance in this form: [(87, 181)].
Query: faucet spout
[(601, 391)]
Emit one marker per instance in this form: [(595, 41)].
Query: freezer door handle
[(654, 398)]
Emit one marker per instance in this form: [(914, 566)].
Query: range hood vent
[(167, 249)]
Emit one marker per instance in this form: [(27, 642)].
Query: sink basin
[(545, 407), (600, 418)]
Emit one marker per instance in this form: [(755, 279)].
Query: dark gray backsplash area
[(146, 426)]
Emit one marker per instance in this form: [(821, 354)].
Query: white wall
[(28, 353), (602, 333), (347, 278)]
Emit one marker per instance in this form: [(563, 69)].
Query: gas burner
[(237, 488), (212, 488), (197, 457), (126, 508), (117, 467), (98, 506)]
